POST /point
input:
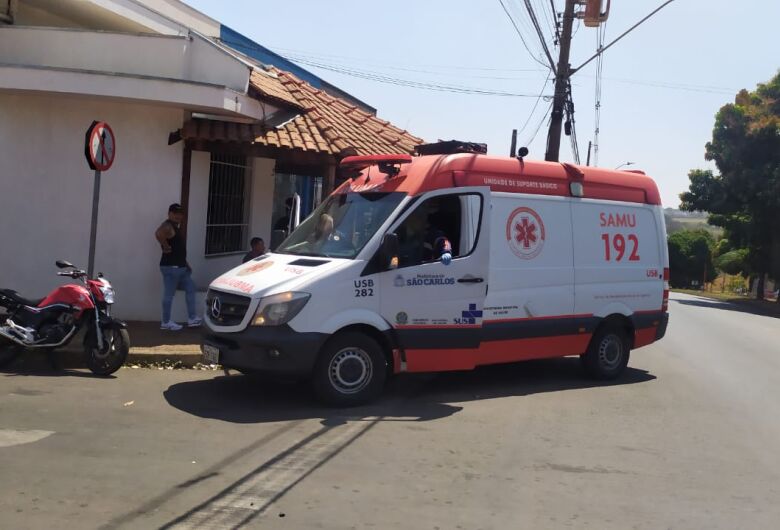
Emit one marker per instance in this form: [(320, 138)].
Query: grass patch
[(764, 307), (729, 297)]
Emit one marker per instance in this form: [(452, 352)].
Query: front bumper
[(254, 349)]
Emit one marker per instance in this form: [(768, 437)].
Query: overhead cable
[(539, 33), (519, 33)]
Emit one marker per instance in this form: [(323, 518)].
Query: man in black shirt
[(175, 270)]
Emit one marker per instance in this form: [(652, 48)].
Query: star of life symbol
[(525, 233)]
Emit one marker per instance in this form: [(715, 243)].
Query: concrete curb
[(74, 358)]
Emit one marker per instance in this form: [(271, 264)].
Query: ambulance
[(450, 261)]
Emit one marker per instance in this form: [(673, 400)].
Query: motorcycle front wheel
[(116, 346)]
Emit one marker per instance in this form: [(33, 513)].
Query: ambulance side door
[(433, 306), (619, 268)]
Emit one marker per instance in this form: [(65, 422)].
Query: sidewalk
[(149, 345)]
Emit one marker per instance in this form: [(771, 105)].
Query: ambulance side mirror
[(389, 251)]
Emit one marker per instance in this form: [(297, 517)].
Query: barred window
[(227, 219)]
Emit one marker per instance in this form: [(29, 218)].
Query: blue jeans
[(173, 278)]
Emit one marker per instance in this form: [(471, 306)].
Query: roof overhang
[(189, 95)]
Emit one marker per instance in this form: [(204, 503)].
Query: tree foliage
[(744, 198), (690, 258), (733, 261)]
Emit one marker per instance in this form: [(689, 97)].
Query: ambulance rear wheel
[(607, 355), (350, 370)]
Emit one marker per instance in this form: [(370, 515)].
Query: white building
[(196, 120)]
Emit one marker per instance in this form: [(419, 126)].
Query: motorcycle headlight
[(107, 290), (279, 309)]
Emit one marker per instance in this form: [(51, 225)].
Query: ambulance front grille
[(226, 309)]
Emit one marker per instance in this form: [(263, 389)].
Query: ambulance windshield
[(342, 225)]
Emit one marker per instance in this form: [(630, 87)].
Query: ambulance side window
[(436, 222)]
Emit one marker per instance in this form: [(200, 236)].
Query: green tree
[(734, 261), (744, 198), (690, 258)]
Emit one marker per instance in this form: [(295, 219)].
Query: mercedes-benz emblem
[(216, 307)]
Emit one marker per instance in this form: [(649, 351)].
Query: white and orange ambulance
[(448, 262)]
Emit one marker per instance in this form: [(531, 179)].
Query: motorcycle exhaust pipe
[(13, 338), (17, 333), (5, 331)]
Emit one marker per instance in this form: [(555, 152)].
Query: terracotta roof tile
[(326, 124), (268, 85)]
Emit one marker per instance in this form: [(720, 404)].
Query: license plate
[(210, 354)]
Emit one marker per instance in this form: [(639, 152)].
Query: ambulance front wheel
[(608, 352), (350, 370)]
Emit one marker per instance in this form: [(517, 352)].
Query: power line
[(572, 71), (555, 22), (346, 64), (536, 104), (675, 86), (287, 52), (569, 109), (550, 24), (600, 35), (293, 55), (519, 33), (547, 112), (538, 28), (378, 77), (524, 22)]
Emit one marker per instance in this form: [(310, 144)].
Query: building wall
[(46, 195), (172, 57), (205, 269)]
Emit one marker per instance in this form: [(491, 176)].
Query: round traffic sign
[(100, 146)]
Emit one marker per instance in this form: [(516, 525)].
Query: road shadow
[(409, 397), (40, 364), (752, 307)]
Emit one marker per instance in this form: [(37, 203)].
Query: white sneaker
[(195, 322), (171, 326)]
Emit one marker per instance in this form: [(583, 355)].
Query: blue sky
[(661, 88)]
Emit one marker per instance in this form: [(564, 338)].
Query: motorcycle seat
[(16, 297)]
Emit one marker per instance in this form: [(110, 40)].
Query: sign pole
[(93, 229), (100, 150)]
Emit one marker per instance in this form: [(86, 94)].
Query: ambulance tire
[(350, 370), (608, 353)]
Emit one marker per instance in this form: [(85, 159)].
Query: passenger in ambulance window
[(325, 239), (420, 241), (324, 229)]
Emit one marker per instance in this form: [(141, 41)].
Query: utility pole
[(565, 71), (561, 84)]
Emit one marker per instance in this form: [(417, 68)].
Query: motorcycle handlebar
[(72, 274)]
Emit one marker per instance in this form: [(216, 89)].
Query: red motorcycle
[(52, 322)]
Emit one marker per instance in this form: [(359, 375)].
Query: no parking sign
[(100, 148)]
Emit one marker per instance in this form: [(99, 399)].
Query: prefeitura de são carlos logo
[(525, 233)]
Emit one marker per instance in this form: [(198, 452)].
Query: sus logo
[(525, 233)]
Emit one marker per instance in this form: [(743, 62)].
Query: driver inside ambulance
[(421, 241)]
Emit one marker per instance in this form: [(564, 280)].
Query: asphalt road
[(689, 438)]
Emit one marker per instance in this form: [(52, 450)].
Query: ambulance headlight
[(279, 309)]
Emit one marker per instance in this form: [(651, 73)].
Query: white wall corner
[(263, 172)]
